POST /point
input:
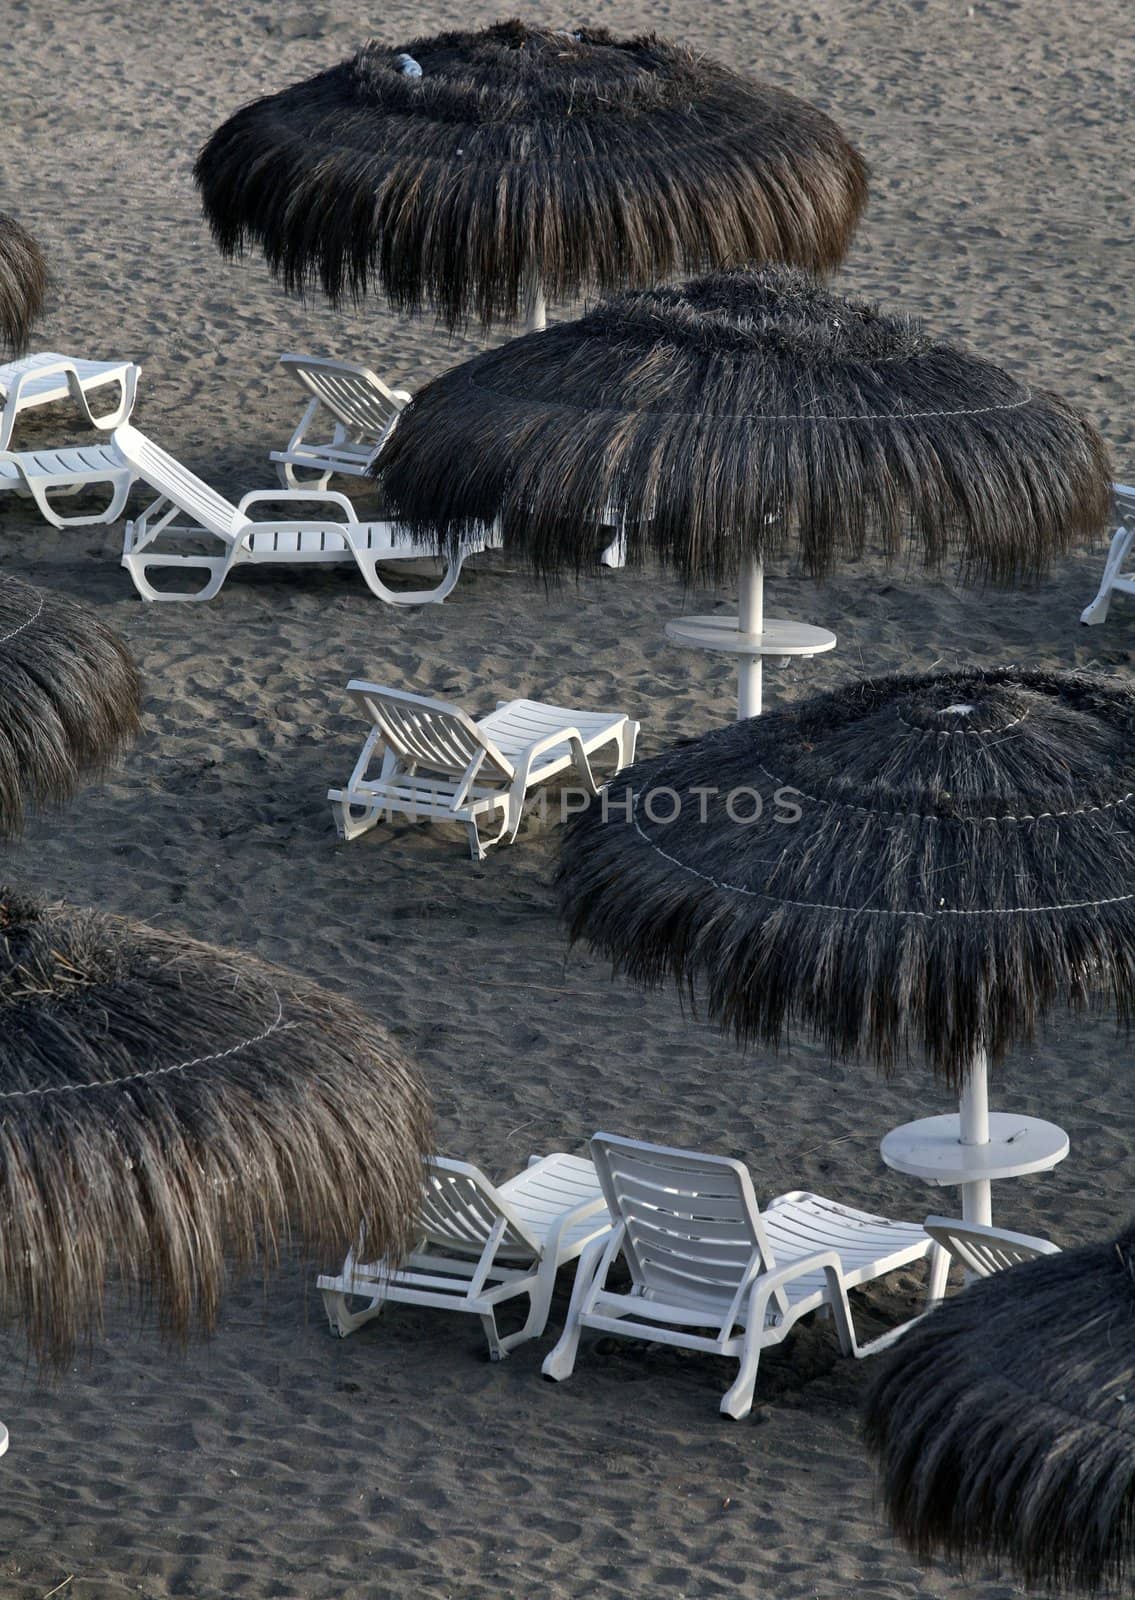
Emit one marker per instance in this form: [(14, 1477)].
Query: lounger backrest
[(460, 1208), (693, 1225), (432, 734), (167, 475), (356, 395), (984, 1250), (1124, 496)]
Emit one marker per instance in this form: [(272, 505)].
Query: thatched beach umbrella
[(1004, 1423), (744, 417), (23, 282), (481, 171), (69, 696), (167, 1108), (926, 865)]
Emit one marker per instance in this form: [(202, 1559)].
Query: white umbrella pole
[(977, 1197), (534, 312), (751, 619)]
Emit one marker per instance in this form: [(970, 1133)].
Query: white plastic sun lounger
[(335, 537), (1115, 580), (480, 1245), (363, 411), (438, 763), (44, 473), (702, 1255), (44, 379)]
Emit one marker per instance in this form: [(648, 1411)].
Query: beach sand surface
[(277, 1461)]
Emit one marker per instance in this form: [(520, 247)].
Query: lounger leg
[(344, 1322), (138, 566), (350, 826), (497, 1351), (628, 738), (120, 488), (1116, 556), (559, 1363), (841, 1313), (939, 1275), (737, 1400), (368, 566), (128, 388), (289, 479), (539, 1304), (479, 848), (535, 1323)]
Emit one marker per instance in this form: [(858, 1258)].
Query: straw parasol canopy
[(69, 699), (519, 155), (23, 282), (167, 1107), (926, 863), (747, 415), (1004, 1423)]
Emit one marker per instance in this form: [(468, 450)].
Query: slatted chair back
[(694, 1234), (186, 491), (1124, 496), (984, 1250), (355, 395), (431, 734), (461, 1210)]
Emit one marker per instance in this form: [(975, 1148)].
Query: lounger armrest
[(10, 401), (571, 736), (33, 374), (580, 1213), (768, 1287), (779, 1276), (292, 497)]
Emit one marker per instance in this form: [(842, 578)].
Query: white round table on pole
[(751, 636), (972, 1149)]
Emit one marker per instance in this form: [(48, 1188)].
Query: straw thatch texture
[(524, 154), (23, 282), (166, 1107), (69, 697), (1004, 1425), (920, 877), (747, 413)]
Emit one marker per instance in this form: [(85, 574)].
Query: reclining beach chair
[(702, 1255), (1115, 580), (438, 763), (363, 411), (45, 473), (479, 1246), (336, 537), (44, 379), (980, 1249)]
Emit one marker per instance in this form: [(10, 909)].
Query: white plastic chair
[(1115, 580), (438, 763), (45, 473), (44, 379), (363, 411), (332, 538), (701, 1254), (480, 1245)]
